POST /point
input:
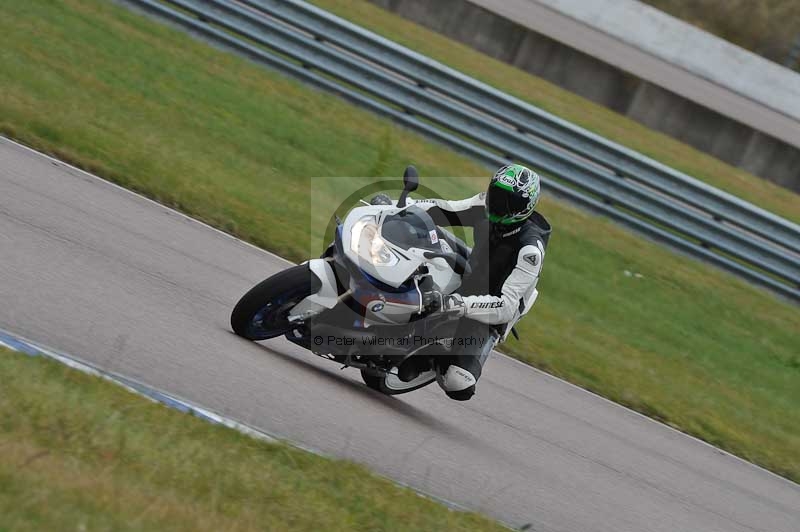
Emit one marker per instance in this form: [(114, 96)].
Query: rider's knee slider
[(456, 379)]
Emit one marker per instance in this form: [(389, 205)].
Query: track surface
[(93, 270)]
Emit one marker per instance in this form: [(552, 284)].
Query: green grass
[(80, 453), (237, 146), (570, 106)]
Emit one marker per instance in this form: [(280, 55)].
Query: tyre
[(262, 312), (390, 384)]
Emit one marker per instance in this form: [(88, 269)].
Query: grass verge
[(79, 453), (569, 106), (237, 146)]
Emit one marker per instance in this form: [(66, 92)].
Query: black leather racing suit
[(506, 262)]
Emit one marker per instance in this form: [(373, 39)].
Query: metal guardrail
[(319, 48)]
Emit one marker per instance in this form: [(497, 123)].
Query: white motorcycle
[(362, 304)]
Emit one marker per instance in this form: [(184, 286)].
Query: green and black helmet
[(512, 195)]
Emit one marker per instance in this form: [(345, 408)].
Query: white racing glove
[(450, 304)]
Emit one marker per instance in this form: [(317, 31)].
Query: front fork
[(326, 297)]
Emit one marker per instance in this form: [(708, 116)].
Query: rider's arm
[(517, 291), (459, 213)]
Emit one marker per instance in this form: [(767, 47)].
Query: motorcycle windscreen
[(412, 229)]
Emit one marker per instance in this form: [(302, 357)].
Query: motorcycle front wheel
[(262, 313)]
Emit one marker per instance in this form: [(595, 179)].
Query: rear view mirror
[(410, 184), (410, 179)]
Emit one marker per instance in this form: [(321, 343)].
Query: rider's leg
[(459, 370)]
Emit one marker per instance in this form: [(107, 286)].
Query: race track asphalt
[(135, 288)]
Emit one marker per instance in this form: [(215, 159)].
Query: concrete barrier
[(677, 91)]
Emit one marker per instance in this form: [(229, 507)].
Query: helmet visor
[(504, 206)]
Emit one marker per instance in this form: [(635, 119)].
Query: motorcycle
[(365, 302)]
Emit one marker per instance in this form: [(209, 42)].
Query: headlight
[(368, 244)]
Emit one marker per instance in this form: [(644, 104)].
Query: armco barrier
[(319, 48)]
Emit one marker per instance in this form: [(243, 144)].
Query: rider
[(510, 239)]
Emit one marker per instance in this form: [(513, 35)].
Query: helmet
[(512, 195)]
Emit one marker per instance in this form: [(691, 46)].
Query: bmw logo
[(377, 307)]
